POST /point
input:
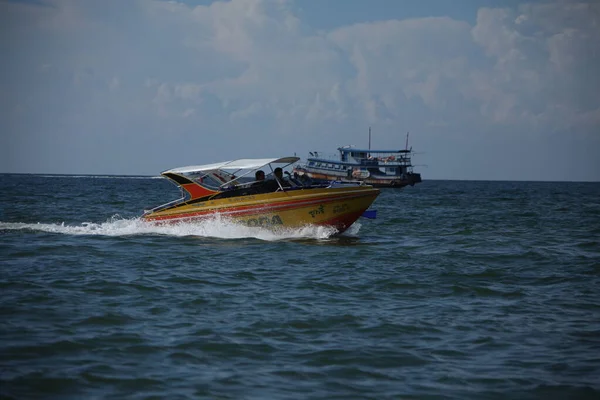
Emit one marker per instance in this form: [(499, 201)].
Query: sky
[(488, 89)]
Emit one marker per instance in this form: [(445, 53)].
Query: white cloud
[(246, 66), (397, 61), (543, 64), (114, 84)]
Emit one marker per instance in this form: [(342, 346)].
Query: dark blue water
[(479, 290)]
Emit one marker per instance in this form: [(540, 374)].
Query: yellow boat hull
[(337, 207)]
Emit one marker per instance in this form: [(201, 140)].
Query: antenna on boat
[(406, 148), (369, 142)]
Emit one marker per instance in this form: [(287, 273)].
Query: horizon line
[(424, 180)]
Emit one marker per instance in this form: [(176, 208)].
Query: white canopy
[(244, 163)]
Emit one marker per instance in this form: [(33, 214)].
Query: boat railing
[(326, 157), (166, 205), (392, 159), (388, 160), (337, 183)]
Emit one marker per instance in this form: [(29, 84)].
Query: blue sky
[(488, 89)]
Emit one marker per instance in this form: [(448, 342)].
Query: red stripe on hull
[(252, 209)]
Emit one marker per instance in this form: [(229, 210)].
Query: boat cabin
[(361, 163)]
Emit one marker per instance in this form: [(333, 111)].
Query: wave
[(217, 227), (99, 176), (92, 176)]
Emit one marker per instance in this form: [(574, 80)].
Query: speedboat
[(230, 190)]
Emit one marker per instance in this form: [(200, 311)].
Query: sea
[(456, 290)]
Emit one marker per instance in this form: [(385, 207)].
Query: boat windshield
[(225, 175)]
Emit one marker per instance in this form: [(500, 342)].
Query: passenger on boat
[(279, 177), (259, 176)]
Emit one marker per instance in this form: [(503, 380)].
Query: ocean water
[(458, 290)]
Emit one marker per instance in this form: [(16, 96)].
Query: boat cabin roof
[(240, 164), (352, 149)]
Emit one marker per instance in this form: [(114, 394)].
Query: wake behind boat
[(235, 189)]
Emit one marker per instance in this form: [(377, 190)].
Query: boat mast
[(369, 155), (406, 147)]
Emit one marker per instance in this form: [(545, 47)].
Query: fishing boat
[(380, 168), (232, 189)]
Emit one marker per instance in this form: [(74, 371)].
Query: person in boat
[(279, 177), (259, 177)]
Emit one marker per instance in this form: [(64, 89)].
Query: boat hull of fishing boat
[(408, 179), (333, 204)]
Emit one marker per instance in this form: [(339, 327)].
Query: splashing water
[(217, 227)]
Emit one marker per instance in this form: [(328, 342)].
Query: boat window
[(209, 181), (337, 166)]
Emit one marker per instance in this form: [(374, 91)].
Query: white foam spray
[(216, 227)]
